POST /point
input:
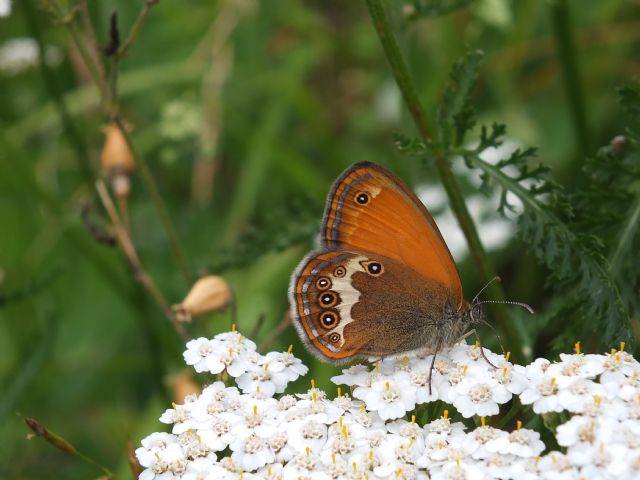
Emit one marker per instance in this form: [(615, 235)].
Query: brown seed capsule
[(208, 294), (182, 384), (117, 160)]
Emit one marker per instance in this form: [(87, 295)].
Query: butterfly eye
[(323, 283), (362, 198), (334, 337), (340, 272), (329, 319), (328, 299), (375, 269)]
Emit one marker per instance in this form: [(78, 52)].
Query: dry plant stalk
[(134, 261)]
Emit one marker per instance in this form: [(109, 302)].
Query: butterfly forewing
[(370, 209)]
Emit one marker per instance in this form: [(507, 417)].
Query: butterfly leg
[(481, 349), (433, 362)]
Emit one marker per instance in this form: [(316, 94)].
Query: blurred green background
[(245, 112)]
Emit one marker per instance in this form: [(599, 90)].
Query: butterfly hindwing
[(348, 303)]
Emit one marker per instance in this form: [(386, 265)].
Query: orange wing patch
[(370, 209)]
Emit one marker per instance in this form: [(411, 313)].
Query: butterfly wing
[(348, 303), (370, 209)]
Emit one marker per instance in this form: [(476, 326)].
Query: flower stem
[(563, 32), (410, 95)]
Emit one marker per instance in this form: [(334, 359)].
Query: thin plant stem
[(39, 430), (68, 19), (93, 42), (133, 33), (134, 261), (108, 91), (410, 95), (568, 56), (281, 327), (156, 198)]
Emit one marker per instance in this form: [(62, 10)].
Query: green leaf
[(409, 145), (456, 115)]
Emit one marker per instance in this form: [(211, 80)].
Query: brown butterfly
[(383, 281)]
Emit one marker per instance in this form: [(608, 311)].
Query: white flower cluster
[(248, 432)]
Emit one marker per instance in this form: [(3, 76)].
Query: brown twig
[(134, 465), (94, 47), (95, 230), (259, 323), (39, 430), (134, 261), (284, 323)]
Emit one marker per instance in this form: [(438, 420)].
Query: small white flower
[(287, 364), (356, 375), (158, 446), (392, 397), (199, 469), (251, 452), (524, 443), (479, 396), (202, 353), (307, 433), (485, 441), (259, 378), (543, 394)]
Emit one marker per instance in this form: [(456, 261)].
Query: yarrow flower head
[(406, 417)]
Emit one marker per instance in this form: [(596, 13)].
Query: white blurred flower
[(20, 54), (5, 8)]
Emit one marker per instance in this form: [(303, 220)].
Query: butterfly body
[(383, 281)]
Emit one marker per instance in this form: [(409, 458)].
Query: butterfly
[(383, 281)]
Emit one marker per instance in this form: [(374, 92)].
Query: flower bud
[(208, 294), (117, 160)]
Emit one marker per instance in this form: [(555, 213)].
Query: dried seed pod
[(182, 384), (208, 294), (117, 160)]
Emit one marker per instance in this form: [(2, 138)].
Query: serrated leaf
[(456, 115)]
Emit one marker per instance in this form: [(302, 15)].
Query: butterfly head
[(477, 312)]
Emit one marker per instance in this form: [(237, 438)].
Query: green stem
[(625, 240), (156, 198), (563, 32), (133, 33), (456, 198)]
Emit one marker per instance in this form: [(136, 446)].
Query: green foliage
[(456, 114), (275, 233), (567, 245)]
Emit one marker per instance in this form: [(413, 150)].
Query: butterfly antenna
[(509, 302), (494, 279)]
